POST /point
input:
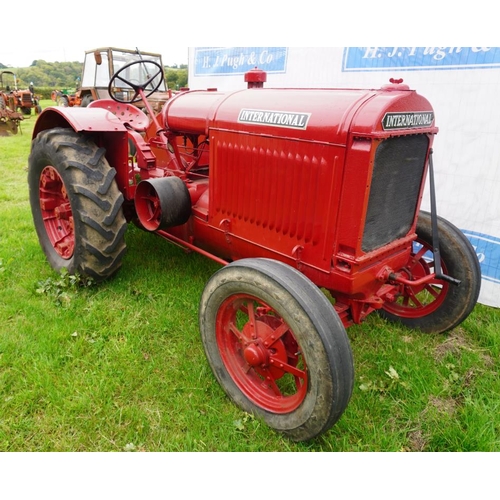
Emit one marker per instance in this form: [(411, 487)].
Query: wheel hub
[(256, 355), (56, 212)]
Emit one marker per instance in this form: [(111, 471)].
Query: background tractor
[(310, 199), (9, 120), (99, 65), (16, 99)]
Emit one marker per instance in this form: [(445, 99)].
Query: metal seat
[(127, 113)]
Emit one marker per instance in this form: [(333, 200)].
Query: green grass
[(120, 366)]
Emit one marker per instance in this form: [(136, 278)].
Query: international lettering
[(287, 119), (422, 119)]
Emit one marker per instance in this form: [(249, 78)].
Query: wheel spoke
[(419, 255), (433, 291), (415, 301), (276, 334), (271, 383), (126, 82), (236, 332), (251, 315), (301, 374)]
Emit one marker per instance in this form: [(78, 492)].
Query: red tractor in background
[(309, 198), (16, 99)]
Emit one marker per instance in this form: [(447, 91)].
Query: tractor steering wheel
[(157, 70)]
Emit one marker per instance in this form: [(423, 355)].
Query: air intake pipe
[(162, 203)]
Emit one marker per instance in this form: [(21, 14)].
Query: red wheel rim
[(56, 212), (419, 301), (261, 354)]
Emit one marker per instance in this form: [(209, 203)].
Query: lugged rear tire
[(76, 204)]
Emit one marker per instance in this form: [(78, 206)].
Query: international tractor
[(310, 199)]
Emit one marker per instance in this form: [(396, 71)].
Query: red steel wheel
[(261, 354), (56, 212), (438, 306), (420, 300), (276, 346)]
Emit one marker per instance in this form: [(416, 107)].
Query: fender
[(79, 119), (110, 133)]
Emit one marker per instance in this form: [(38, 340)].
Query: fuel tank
[(319, 115)]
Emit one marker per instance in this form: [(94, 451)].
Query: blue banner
[(419, 58), (488, 252), (212, 61)]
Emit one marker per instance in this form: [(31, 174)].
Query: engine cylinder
[(162, 203)]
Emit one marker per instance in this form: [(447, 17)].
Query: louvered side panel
[(271, 190)]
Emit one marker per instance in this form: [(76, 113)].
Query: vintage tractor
[(308, 198), (67, 97), (9, 120), (18, 99), (99, 65)]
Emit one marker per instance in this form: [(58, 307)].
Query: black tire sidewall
[(329, 359)]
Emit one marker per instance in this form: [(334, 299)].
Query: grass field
[(120, 366)]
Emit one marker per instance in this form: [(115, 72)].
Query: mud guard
[(79, 119)]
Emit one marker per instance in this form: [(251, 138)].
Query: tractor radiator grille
[(397, 177)]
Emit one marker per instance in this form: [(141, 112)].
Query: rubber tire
[(316, 326), (95, 200), (86, 100), (63, 101), (461, 262)]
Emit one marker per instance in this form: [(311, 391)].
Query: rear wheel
[(277, 346), (86, 100), (63, 101), (437, 306), (76, 205)]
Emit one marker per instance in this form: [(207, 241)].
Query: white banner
[(462, 84)]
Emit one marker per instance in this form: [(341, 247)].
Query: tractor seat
[(127, 113)]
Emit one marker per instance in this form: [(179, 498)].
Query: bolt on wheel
[(57, 215), (276, 346)]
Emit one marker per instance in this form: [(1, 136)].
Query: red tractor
[(17, 99), (309, 198)]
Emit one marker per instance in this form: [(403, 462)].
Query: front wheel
[(438, 306), (76, 204), (277, 346)]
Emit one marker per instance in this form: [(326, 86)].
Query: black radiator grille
[(397, 176)]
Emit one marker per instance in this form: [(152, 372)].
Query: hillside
[(59, 75)]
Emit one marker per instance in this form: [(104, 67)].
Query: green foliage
[(176, 78), (50, 76), (62, 288)]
